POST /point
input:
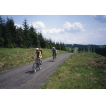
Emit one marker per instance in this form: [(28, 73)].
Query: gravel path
[(23, 77)]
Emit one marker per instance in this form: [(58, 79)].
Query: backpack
[(40, 50)]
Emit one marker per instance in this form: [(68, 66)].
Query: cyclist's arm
[(56, 51)]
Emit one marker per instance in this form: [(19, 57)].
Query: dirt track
[(23, 77)]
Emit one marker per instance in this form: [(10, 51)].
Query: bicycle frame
[(54, 55), (37, 65), (37, 60)]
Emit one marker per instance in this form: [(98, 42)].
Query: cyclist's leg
[(53, 55), (40, 63), (37, 59), (40, 59)]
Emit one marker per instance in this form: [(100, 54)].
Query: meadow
[(80, 71), (14, 57)]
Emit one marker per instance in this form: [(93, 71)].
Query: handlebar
[(32, 57), (35, 58)]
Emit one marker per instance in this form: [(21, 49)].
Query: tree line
[(70, 49), (82, 45), (99, 50), (12, 36)]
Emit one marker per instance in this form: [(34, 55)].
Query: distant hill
[(82, 45)]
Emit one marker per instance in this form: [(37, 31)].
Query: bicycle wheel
[(34, 67), (54, 56), (40, 65)]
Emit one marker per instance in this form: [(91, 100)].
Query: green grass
[(80, 71), (14, 57)]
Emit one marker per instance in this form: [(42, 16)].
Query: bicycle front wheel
[(40, 65), (34, 67), (54, 56)]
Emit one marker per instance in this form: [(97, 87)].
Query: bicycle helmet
[(37, 49)]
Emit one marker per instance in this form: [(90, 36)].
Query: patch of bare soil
[(98, 63)]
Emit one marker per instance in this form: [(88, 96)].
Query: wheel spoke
[(37, 65)]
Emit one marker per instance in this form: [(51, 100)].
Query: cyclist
[(54, 51), (38, 52)]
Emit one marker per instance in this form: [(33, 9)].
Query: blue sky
[(71, 29)]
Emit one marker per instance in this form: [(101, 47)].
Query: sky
[(69, 29)]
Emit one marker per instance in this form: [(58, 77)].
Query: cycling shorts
[(38, 57)]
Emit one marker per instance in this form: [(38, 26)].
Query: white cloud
[(76, 27), (38, 25), (67, 25), (44, 31), (54, 30), (17, 25)]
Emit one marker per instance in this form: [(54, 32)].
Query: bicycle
[(54, 56), (37, 65)]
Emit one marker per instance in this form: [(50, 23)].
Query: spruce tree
[(1, 37), (25, 34), (19, 37)]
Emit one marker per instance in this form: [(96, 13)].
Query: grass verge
[(14, 57), (80, 71)]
